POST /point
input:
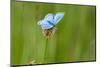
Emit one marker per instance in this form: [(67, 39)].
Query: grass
[(73, 41)]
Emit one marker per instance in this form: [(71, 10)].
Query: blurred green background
[(73, 41)]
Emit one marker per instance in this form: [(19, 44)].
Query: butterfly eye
[(39, 22)]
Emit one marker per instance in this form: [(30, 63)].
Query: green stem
[(45, 53)]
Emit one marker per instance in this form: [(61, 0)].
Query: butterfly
[(50, 20)]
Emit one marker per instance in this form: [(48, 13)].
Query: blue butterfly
[(50, 20)]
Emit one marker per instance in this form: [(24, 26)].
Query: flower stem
[(45, 53)]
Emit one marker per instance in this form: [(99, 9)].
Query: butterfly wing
[(45, 22), (58, 17), (49, 17), (45, 25)]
